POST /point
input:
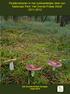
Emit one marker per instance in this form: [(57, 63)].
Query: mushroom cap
[(31, 67), (54, 63), (11, 60)]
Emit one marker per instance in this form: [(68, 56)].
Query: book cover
[(34, 46)]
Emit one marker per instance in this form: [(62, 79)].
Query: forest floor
[(35, 43)]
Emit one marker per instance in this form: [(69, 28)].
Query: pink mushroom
[(55, 64), (31, 71), (31, 67)]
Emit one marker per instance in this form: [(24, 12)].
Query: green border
[(6, 10), (52, 89)]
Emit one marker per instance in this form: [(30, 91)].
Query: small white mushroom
[(11, 63)]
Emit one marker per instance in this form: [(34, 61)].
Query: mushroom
[(11, 63), (31, 71), (55, 64)]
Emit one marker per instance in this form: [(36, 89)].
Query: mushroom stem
[(29, 77), (11, 66), (32, 73), (53, 68)]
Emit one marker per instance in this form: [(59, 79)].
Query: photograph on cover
[(34, 50)]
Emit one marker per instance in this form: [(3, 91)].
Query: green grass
[(36, 43)]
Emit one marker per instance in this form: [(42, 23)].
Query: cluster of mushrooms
[(33, 68)]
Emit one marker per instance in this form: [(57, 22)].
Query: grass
[(36, 43)]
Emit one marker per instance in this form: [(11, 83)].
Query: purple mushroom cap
[(54, 63), (31, 67)]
